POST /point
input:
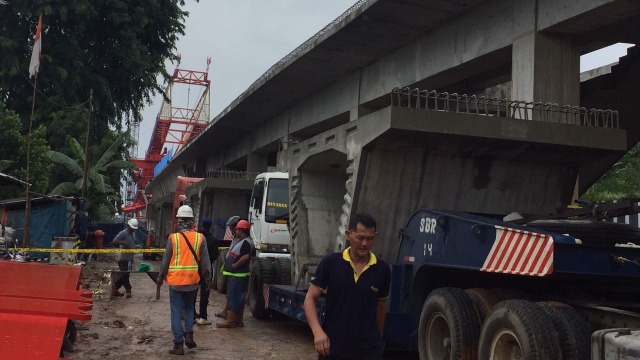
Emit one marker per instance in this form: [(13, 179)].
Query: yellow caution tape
[(105, 276), (89, 251), (93, 251)]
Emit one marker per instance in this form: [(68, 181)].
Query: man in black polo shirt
[(357, 286)]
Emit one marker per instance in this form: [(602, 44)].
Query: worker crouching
[(236, 267), (186, 249)]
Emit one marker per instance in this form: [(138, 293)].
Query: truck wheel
[(264, 274), (573, 329), (483, 301), (449, 326), (221, 283), (591, 232), (282, 267), (518, 329)]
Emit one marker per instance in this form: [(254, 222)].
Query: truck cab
[(269, 214)]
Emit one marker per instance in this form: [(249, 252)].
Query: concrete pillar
[(256, 162), (546, 68), (354, 113)]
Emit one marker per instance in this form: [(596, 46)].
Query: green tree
[(13, 154), (101, 195), (620, 182), (117, 48)]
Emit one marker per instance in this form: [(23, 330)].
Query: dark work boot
[(188, 340), (177, 349), (240, 316), (230, 322)]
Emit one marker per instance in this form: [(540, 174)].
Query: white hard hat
[(133, 223), (185, 211)]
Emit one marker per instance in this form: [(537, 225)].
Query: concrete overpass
[(326, 114)]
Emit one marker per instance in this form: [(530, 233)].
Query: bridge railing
[(511, 109), (231, 174)]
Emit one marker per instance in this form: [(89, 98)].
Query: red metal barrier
[(31, 336), (40, 275), (36, 302)]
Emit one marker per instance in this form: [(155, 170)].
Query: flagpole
[(34, 65), (86, 148), (27, 209)]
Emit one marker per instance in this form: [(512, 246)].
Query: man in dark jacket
[(212, 247)]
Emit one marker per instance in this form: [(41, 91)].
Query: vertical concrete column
[(546, 68), (354, 113), (283, 156), (256, 162)]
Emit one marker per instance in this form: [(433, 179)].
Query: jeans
[(204, 299), (236, 292), (179, 301)]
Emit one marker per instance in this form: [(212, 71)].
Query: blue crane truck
[(466, 286)]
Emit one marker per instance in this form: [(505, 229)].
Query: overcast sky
[(244, 38)]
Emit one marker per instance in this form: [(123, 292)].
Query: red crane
[(175, 126)]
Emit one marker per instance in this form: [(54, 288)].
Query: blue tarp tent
[(112, 229), (46, 221)]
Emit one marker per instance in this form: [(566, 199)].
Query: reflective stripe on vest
[(183, 267), (243, 271)]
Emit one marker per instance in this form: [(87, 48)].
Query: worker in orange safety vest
[(185, 260)]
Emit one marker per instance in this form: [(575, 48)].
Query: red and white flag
[(228, 235), (34, 65)]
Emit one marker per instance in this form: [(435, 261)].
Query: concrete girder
[(223, 198), (399, 160), (318, 183)]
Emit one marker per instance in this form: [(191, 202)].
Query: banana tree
[(101, 194)]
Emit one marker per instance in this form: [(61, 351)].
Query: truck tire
[(483, 301), (221, 283), (591, 232), (264, 273), (519, 329), (449, 326), (282, 267), (573, 329)]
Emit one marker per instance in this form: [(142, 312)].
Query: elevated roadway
[(326, 114)]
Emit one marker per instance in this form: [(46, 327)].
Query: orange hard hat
[(243, 224)]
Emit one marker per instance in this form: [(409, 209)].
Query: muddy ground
[(140, 328)]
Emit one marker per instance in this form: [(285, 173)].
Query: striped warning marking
[(520, 252), (265, 295), (71, 259)]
